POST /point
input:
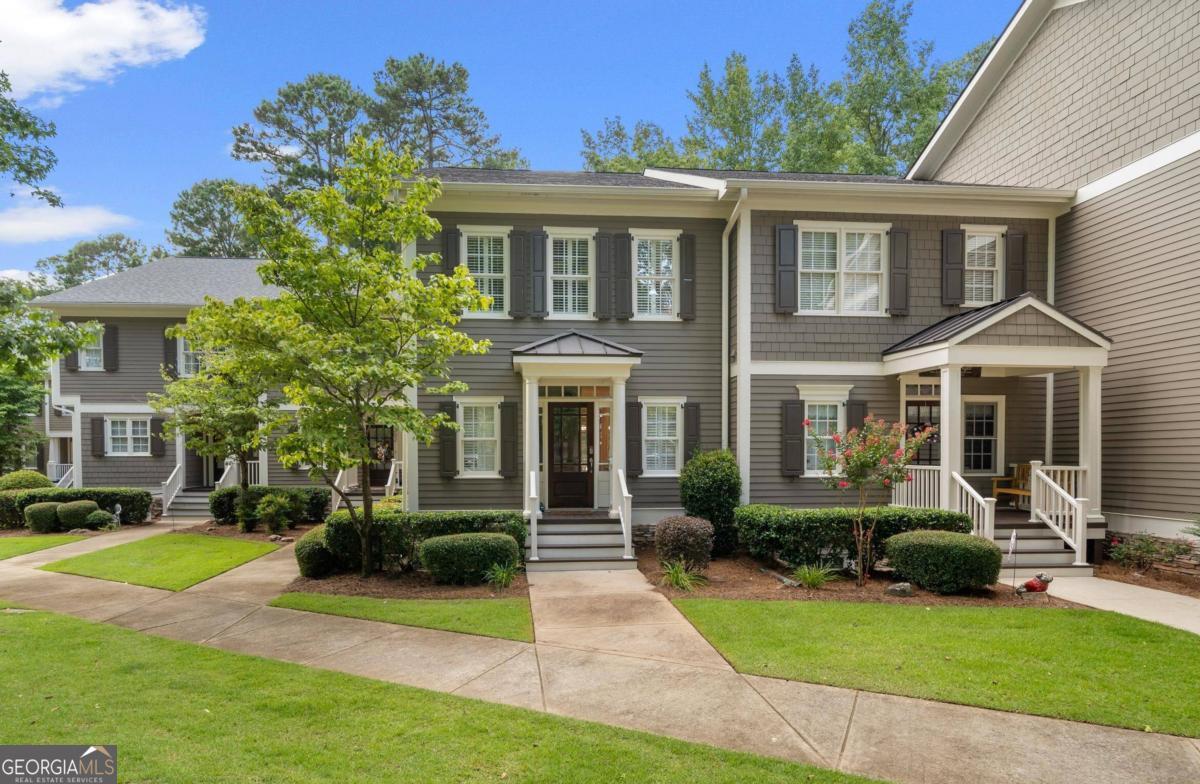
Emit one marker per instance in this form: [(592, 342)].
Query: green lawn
[(181, 712), (1084, 665), (170, 561), (506, 618), (12, 546)]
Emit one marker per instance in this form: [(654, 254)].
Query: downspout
[(730, 222)]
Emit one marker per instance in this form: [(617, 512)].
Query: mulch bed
[(409, 585), (231, 531), (741, 577), (1162, 581), (7, 532)]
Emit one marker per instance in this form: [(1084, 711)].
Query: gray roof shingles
[(170, 281), (576, 344), (469, 176)]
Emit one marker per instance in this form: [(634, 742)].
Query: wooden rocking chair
[(1015, 486)]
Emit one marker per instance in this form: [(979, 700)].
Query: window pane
[(479, 455), (655, 297), (824, 423), (570, 256), (661, 438), (818, 290), (981, 251), (655, 258), (979, 430), (479, 422), (485, 255), (864, 251), (818, 250), (979, 285), (862, 293)]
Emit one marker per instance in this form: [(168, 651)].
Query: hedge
[(135, 503), (810, 536), (24, 479), (42, 518), (943, 561), (314, 501), (465, 558), (399, 533), (313, 555), (99, 519), (710, 487), (74, 514), (687, 539)]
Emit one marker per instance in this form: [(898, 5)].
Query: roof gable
[(575, 344)]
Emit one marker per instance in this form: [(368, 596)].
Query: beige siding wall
[(1128, 265), (1102, 84)]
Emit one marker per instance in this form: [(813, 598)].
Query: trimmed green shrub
[(944, 561), (24, 479), (276, 511), (685, 539), (312, 502), (313, 555), (100, 519), (710, 487), (42, 518), (74, 514), (135, 503), (808, 536), (464, 559)]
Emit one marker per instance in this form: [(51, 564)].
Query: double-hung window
[(189, 360), (983, 435), (485, 253), (655, 271), (128, 437), (842, 268), (825, 410), (91, 356), (983, 273), (479, 437), (662, 441), (571, 253)]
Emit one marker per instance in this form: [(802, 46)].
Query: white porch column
[(616, 447), (409, 455), (950, 437), (1089, 436), (531, 446)]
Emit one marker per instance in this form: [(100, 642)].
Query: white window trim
[(1001, 468), (825, 394), (80, 354), (655, 234), (841, 227), (458, 416), (570, 233), (679, 434), (181, 350), (999, 232), (108, 452), (490, 231)]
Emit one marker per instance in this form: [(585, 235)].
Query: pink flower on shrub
[(808, 423), (887, 482), (883, 461), (908, 477), (837, 439), (843, 484)]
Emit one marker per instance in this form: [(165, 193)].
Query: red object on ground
[(1034, 585)]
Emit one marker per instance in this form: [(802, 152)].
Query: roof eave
[(581, 191), (1056, 196)]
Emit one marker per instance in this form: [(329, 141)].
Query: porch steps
[(189, 505), (1038, 548), (579, 541)]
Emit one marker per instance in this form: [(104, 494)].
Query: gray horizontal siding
[(145, 472), (139, 367), (277, 474)]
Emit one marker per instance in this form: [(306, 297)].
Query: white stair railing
[(253, 472), (67, 476), (535, 509), (982, 511), (626, 513), (393, 480), (1069, 478), (171, 487), (55, 471), (229, 476), (923, 488), (1065, 515), (341, 482)]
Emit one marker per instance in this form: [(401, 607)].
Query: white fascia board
[(771, 368), (911, 201), (697, 180), (70, 310), (660, 204), (909, 190), (1036, 304), (1140, 168), (115, 408)]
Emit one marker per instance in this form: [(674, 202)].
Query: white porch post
[(531, 437), (616, 448), (1089, 436), (409, 454), (950, 440)]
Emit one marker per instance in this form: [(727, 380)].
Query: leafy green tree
[(816, 125), (205, 222), (91, 259), (736, 122), (424, 106), (303, 134), (23, 157), (356, 325), (614, 149)]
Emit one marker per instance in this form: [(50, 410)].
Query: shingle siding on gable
[(1029, 327), (1102, 84)]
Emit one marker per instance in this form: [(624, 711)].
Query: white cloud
[(35, 222), (48, 49), (17, 274)]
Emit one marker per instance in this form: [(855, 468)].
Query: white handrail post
[(1080, 511), (1035, 501), (626, 513), (989, 517), (534, 510)]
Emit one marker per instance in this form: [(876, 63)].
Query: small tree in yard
[(874, 455), (355, 324)]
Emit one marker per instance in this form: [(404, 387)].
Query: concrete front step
[(556, 564), (570, 539), (546, 529)]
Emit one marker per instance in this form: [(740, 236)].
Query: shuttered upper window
[(485, 252), (91, 356), (842, 269), (189, 360), (655, 272), (571, 274), (983, 265)]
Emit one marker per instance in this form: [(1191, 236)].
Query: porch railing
[(56, 471), (626, 513), (1069, 478), (982, 511), (228, 477), (341, 482), (172, 486), (1062, 512), (67, 477), (393, 480), (535, 510), (923, 488)]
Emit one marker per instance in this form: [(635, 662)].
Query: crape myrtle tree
[(355, 326)]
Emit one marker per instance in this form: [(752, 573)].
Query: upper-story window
[(91, 356), (842, 268), (983, 274), (189, 360), (571, 252), (654, 273), (485, 252)]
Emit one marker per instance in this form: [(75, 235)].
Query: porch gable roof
[(575, 344)]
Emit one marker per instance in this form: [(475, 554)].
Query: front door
[(382, 442), (572, 435)]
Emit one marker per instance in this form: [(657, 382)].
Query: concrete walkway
[(610, 649), (1149, 604)]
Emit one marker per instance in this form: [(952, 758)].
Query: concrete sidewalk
[(610, 649), (1171, 609)]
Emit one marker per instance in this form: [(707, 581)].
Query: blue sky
[(181, 75)]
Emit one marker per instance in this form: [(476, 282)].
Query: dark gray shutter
[(1015, 281), (604, 275), (71, 360), (953, 259), (622, 276), (898, 274), (158, 447), (787, 270), (509, 438), (633, 439), (519, 260), (687, 277), (451, 237), (448, 443), (691, 430), (856, 412), (537, 274), (98, 436), (170, 356), (111, 356), (792, 461)]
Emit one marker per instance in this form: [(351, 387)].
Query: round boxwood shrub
[(276, 511), (74, 514), (42, 518), (463, 559), (687, 539), (314, 557), (24, 479), (100, 519), (710, 487), (944, 561)]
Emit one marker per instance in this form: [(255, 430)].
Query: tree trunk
[(243, 471), (368, 518), (861, 539)]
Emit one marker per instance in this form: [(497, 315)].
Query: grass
[(507, 618), (12, 546), (170, 561), (1084, 665), (181, 712)]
